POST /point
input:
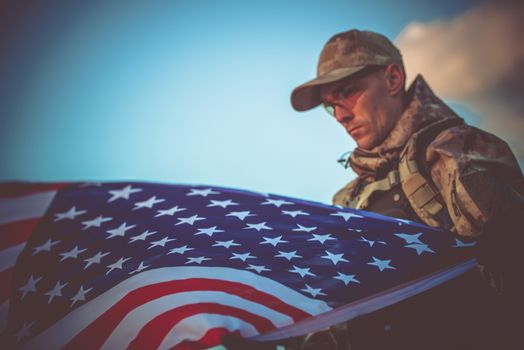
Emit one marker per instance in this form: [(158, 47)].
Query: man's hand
[(500, 253)]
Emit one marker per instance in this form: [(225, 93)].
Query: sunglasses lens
[(329, 108)]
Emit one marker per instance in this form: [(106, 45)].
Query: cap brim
[(307, 95)]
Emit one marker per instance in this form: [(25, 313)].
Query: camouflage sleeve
[(477, 175)]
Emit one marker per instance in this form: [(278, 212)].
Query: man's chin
[(362, 143), (360, 137)]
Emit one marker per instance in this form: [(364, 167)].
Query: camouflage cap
[(343, 55)]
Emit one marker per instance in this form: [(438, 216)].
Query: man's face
[(363, 106)]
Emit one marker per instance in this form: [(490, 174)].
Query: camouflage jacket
[(475, 172)]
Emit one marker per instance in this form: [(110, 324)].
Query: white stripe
[(4, 309), (138, 318), (8, 256), (194, 328), (59, 334), (15, 209), (25, 207)]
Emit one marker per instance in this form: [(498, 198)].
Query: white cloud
[(476, 58)]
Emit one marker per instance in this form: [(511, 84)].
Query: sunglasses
[(340, 94), (351, 85)]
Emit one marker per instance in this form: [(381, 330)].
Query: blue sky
[(180, 91)]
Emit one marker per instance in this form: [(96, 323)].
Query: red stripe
[(5, 284), (96, 333), (212, 337), (151, 336), (16, 189), (17, 232)]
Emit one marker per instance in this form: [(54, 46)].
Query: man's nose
[(343, 115)]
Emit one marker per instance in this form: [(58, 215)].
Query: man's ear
[(395, 79)]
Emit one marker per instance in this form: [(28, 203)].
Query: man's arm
[(477, 175), (482, 185)]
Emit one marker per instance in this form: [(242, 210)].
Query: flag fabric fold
[(147, 265)]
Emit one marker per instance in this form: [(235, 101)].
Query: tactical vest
[(408, 191)]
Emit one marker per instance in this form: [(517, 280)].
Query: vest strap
[(392, 179), (416, 182), (417, 189)]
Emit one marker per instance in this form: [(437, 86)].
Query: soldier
[(416, 159)]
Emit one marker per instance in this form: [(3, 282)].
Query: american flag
[(146, 265)]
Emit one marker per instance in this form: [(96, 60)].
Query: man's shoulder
[(466, 130), (462, 140), (463, 150)]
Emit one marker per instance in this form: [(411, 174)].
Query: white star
[(240, 214), (55, 292), (302, 271), (73, 253), (321, 238), (160, 243), (80, 295), (242, 257), (169, 212), (142, 236), (139, 268), (222, 204), (294, 213), (180, 250), (276, 202), (203, 193), (258, 227), (381, 264), (122, 193), (70, 214), (420, 248), (96, 222), (346, 278), (190, 220), (460, 244), (410, 238), (198, 260), (95, 259), (362, 239), (120, 231), (116, 265), (346, 215), (148, 203), (30, 286), (301, 228), (273, 241), (208, 231), (287, 255), (24, 331), (335, 258), (313, 291), (46, 247), (257, 268), (225, 244)]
